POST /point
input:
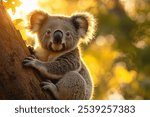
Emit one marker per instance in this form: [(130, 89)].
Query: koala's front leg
[(42, 67), (31, 61)]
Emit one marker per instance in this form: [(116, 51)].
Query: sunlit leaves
[(17, 21), (12, 4)]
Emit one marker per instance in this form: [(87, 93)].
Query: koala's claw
[(45, 82), (29, 61), (32, 57), (47, 85)]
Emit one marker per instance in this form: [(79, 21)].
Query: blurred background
[(119, 55)]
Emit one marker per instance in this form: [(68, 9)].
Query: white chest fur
[(45, 55)]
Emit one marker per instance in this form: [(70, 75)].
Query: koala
[(58, 54)]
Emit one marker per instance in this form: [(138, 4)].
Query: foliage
[(12, 4), (119, 56)]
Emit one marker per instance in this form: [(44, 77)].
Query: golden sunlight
[(21, 12), (26, 7)]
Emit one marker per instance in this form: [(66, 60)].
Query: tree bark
[(16, 81)]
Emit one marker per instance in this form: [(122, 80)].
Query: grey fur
[(63, 61)]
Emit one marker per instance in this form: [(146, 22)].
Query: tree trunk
[(16, 81)]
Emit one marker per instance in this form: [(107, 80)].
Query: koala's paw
[(30, 61), (31, 49), (47, 85)]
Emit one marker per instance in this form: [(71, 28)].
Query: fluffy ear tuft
[(85, 25), (37, 18)]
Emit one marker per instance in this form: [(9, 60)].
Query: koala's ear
[(37, 18), (84, 24)]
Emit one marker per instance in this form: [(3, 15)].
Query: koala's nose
[(58, 35)]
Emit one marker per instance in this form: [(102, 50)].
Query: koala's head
[(61, 33)]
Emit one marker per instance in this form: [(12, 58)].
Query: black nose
[(58, 35)]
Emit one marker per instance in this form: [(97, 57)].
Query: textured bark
[(16, 81)]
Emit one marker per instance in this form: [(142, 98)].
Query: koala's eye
[(48, 32), (67, 34)]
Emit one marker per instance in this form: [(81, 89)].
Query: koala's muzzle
[(57, 37)]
